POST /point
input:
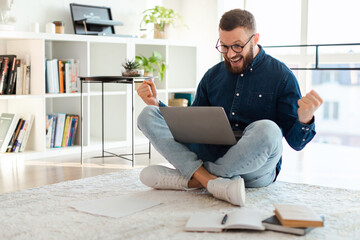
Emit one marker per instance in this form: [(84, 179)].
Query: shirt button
[(237, 94), (251, 69), (303, 128), (241, 75), (236, 125), (304, 140), (307, 129), (260, 95), (233, 113)]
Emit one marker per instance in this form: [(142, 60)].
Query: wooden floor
[(319, 164)]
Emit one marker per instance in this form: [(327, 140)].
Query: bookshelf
[(98, 55)]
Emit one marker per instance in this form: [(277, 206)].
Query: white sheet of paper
[(115, 207)]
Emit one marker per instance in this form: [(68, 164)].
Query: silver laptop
[(205, 125)]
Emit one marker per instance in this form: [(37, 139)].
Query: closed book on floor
[(214, 222), (297, 215), (273, 224)]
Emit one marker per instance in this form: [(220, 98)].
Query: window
[(278, 21), (283, 22), (333, 21), (331, 111)]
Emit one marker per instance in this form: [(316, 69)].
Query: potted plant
[(155, 63), (161, 17), (132, 69)]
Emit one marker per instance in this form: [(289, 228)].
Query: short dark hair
[(237, 18)]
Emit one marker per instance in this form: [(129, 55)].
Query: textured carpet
[(44, 213)]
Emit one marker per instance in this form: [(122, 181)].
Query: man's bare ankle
[(193, 183)]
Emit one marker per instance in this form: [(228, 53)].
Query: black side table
[(113, 79)]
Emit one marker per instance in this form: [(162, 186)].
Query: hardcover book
[(4, 74), (29, 119), (15, 135), (8, 123), (273, 224), (296, 215), (59, 132)]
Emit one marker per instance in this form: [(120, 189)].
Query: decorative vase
[(159, 32)]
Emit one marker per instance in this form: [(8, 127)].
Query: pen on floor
[(224, 219)]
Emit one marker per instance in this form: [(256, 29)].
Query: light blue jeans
[(253, 158)]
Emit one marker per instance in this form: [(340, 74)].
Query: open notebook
[(214, 222)]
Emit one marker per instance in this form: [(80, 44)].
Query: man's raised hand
[(308, 104), (147, 92)]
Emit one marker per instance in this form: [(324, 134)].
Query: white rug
[(43, 213)]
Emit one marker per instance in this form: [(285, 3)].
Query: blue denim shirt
[(266, 90)]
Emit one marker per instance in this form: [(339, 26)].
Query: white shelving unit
[(98, 56)]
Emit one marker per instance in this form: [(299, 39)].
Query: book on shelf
[(20, 137), (8, 123), (273, 224), (217, 222), (8, 67), (188, 96), (14, 75), (4, 73), (48, 129), (68, 72), (15, 135), (61, 76), (66, 131), (29, 120), (179, 102), (25, 65), (19, 77), (61, 130), (297, 215), (52, 139), (52, 76)]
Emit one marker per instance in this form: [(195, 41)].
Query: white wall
[(200, 16)]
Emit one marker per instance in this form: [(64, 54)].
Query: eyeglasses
[(236, 47)]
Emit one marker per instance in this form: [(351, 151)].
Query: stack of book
[(62, 76), (293, 218), (14, 75), (14, 131), (61, 130)]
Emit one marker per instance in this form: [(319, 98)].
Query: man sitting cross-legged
[(260, 96)]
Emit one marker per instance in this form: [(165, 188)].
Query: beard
[(247, 60)]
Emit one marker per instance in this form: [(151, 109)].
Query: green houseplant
[(161, 17), (154, 63), (132, 69)]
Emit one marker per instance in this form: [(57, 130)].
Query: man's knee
[(148, 114), (268, 129)]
